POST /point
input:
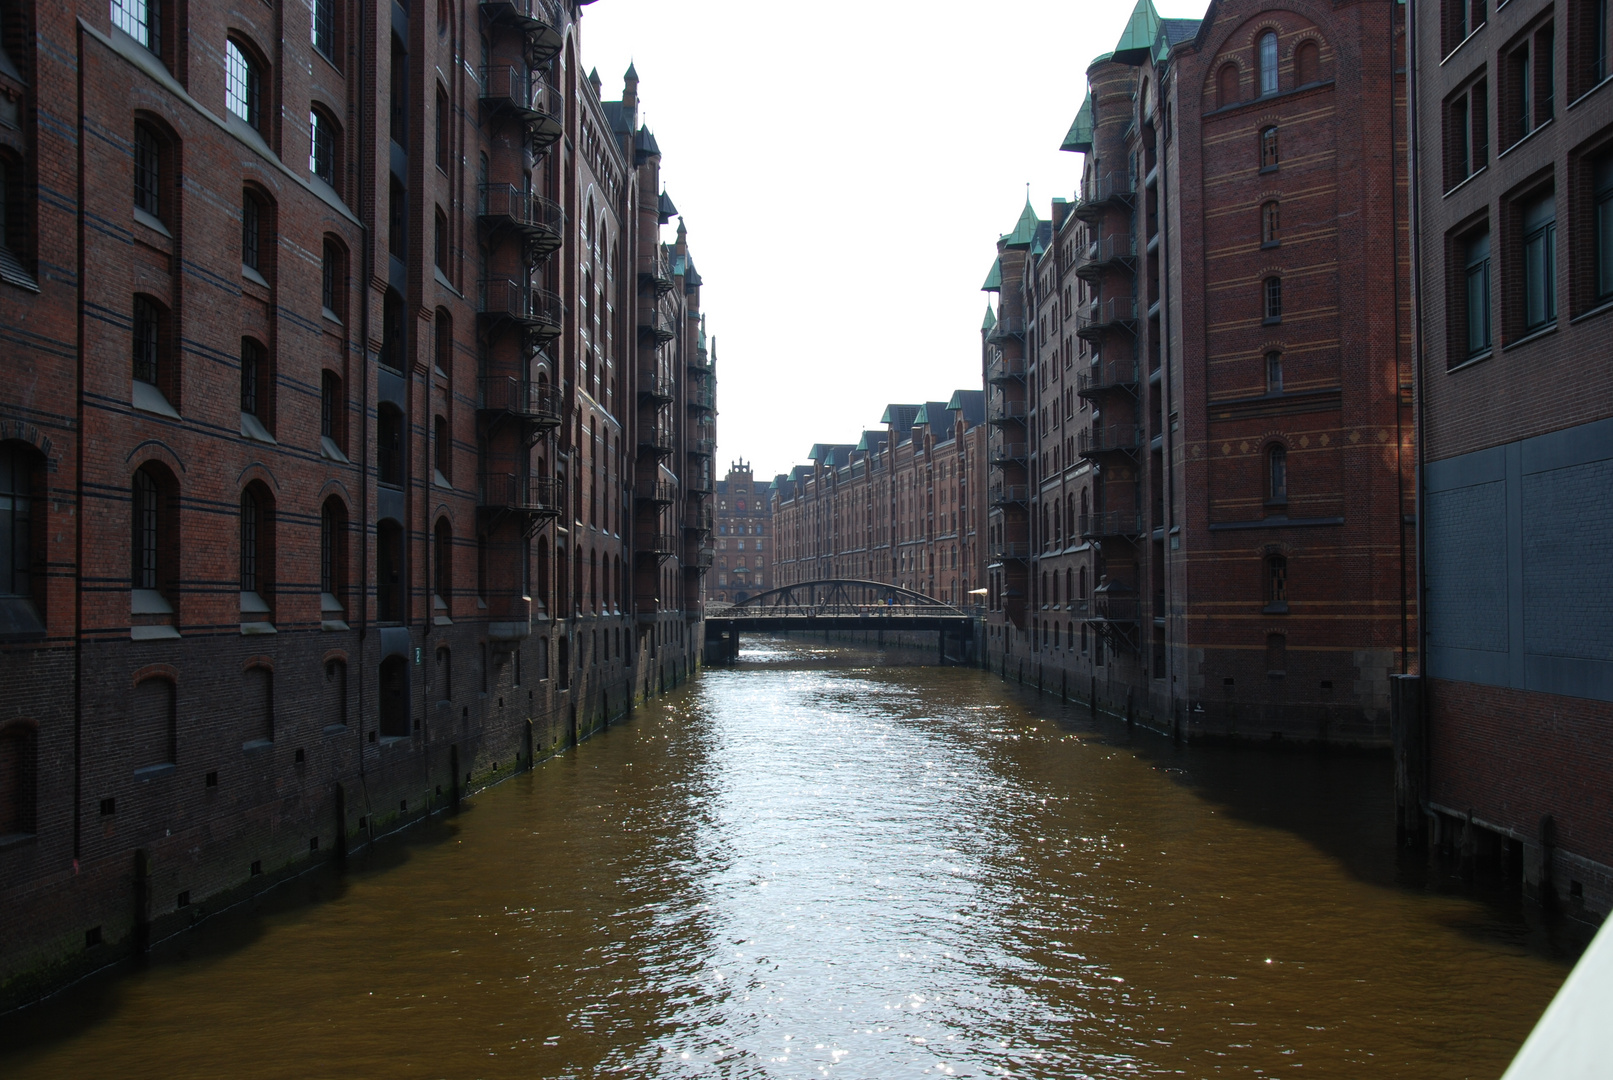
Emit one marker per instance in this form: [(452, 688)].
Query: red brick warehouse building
[(1514, 204), (902, 506), (744, 537), (355, 437), (1200, 385)]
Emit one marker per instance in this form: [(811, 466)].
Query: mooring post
[(453, 774), (1408, 737)]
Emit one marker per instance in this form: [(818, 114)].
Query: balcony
[(656, 492), (1107, 376), (1006, 412), (537, 20), (1123, 609), (539, 222), (510, 493), (661, 545), (1009, 494), (703, 445), (1097, 319), (1111, 253), (512, 92), (1099, 193), (656, 388), (506, 302), (1009, 453), (1010, 551), (534, 403), (698, 517), (1006, 369), (657, 440), (1114, 439), (703, 398), (655, 323), (1007, 326), (699, 485), (1110, 525), (656, 271)]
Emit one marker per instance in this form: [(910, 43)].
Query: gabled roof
[(616, 113), (1078, 139), (934, 413), (645, 145), (994, 280), (1025, 229), (971, 404), (826, 452), (872, 440), (1137, 41), (990, 320), (899, 416)]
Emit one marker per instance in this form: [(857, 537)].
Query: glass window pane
[(237, 82)]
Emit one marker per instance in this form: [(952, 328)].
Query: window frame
[(1267, 62), (1272, 300)]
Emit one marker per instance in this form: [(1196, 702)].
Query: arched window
[(324, 139), (1226, 85), (389, 571), (540, 594), (1272, 294), (1274, 373), (254, 242), (1269, 225), (1276, 584), (443, 561), (333, 556), (154, 534), (1308, 63), (257, 549), (445, 116), (147, 170), (389, 445), (397, 221), (398, 75), (1268, 148), (150, 352), (439, 245), (243, 83), (1268, 63), (1277, 474), (19, 754), (256, 381), (1081, 579), (332, 413), (15, 235)]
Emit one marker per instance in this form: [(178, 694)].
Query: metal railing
[(533, 401), (657, 269), (1110, 523), (1107, 375), (698, 517), (658, 438), (1005, 368), (506, 298), (1007, 411), (705, 446), (510, 491), (1123, 438), (657, 543), (703, 397), (1003, 453), (533, 215), (655, 491), (1104, 314), (1114, 250), (657, 387), (656, 323), (1007, 326), (1008, 494), (1010, 550), (699, 485), (1127, 609)]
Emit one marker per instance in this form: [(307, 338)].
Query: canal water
[(819, 863)]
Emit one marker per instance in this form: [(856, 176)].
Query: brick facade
[(343, 462), (1200, 386), (1513, 199), (903, 506), (744, 537)]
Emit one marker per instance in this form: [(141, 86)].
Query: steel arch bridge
[(838, 604)]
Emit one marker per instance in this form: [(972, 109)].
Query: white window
[(240, 84), (138, 19)]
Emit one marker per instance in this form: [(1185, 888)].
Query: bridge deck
[(858, 620)]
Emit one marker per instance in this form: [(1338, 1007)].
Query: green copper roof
[(991, 319), (922, 416), (1142, 29), (1079, 138), (1025, 229), (994, 280)]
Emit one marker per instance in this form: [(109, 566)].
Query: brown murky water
[(812, 865)]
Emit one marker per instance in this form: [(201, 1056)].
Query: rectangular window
[(251, 373), (1477, 294), (240, 84), (251, 222), (321, 147), (1274, 299), (16, 529), (249, 543), (1602, 184), (330, 406), (1467, 133), (147, 171), (1539, 263), (324, 27), (141, 20), (145, 340)]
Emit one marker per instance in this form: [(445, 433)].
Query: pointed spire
[(991, 318), (594, 81), (1141, 31), (1025, 229), (1079, 138), (632, 73), (994, 279)]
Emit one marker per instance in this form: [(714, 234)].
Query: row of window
[(1522, 299), (1307, 70)]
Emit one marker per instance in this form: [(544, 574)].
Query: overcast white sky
[(844, 172)]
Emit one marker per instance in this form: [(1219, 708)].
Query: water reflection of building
[(357, 446), (903, 505), (1199, 387), (744, 538)]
